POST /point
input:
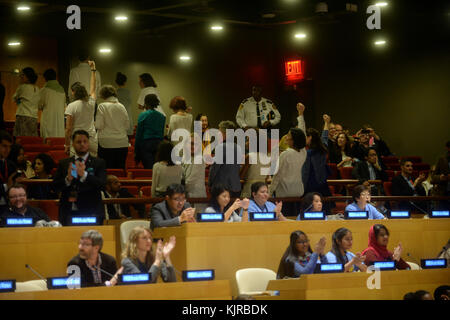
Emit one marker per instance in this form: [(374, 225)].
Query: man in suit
[(404, 185), (7, 168), (174, 210), (119, 211), (80, 179), (91, 261), (370, 169)]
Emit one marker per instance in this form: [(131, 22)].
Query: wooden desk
[(353, 285), (199, 290), (47, 250), (228, 247)]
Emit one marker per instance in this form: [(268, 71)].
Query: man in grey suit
[(174, 210)]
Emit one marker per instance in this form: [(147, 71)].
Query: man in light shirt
[(82, 73)]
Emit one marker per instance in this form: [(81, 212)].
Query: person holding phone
[(220, 202)]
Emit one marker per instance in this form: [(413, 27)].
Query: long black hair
[(308, 201), (14, 154), (316, 142), (336, 244), (216, 191), (290, 256)]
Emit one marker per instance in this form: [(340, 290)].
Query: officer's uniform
[(249, 111)]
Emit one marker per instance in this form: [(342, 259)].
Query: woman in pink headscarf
[(377, 250)]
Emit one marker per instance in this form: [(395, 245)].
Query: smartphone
[(74, 171)]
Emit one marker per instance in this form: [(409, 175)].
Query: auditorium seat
[(50, 207), (413, 159), (334, 171), (58, 155), (29, 140), (31, 155), (387, 186), (346, 172), (134, 190), (146, 191), (55, 141), (140, 173), (413, 266), (253, 281), (32, 285), (41, 148), (394, 166), (389, 159), (130, 163), (116, 172), (127, 226), (421, 166), (391, 174)]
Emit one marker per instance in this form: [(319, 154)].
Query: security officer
[(257, 112)]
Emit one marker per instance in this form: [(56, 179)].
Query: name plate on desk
[(313, 215), (330, 267), (18, 222), (198, 275), (440, 214), (263, 216), (135, 278), (210, 217), (433, 263), (399, 215), (84, 221), (7, 285), (63, 283), (356, 215), (384, 265)]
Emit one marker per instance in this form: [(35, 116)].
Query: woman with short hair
[(259, 203), (43, 165), (164, 172), (181, 119), (112, 123), (220, 202), (27, 100), (139, 258)]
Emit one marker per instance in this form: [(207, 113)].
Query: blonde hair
[(131, 250)]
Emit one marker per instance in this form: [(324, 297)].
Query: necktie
[(258, 114)]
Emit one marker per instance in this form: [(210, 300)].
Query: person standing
[(112, 124), (82, 74), (27, 99), (124, 97), (257, 112), (80, 179), (148, 86), (52, 102)]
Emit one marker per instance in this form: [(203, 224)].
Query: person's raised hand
[(236, 204), (279, 206), (81, 167), (245, 203), (320, 246), (300, 108), (398, 252), (91, 64), (159, 251), (168, 247), (326, 118), (69, 172)]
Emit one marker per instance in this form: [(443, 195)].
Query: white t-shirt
[(112, 124), (82, 113), (150, 90), (27, 99), (287, 182), (82, 73)]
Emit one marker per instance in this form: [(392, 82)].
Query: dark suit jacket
[(124, 193), (361, 172), (11, 169), (32, 212), (440, 187), (87, 279), (89, 198), (162, 217), (226, 174), (402, 188)]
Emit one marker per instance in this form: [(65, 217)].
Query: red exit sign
[(294, 70)]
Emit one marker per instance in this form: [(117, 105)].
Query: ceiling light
[(23, 8), (185, 58), (380, 43), (14, 43), (300, 35), (216, 27), (105, 50), (381, 4), (121, 18)]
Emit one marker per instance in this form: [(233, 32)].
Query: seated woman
[(298, 258), (259, 203), (138, 256), (361, 202), (312, 202), (377, 250), (43, 165), (342, 242), (164, 172), (17, 155), (220, 202)]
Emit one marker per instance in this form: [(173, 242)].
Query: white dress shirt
[(150, 90), (112, 123), (82, 73), (27, 99), (287, 182), (247, 115)]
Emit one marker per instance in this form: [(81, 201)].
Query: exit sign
[(293, 70)]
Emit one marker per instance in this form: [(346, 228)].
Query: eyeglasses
[(178, 199), (84, 244), (365, 194)]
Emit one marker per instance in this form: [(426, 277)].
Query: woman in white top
[(80, 114), (27, 99), (181, 119), (164, 172), (112, 124), (52, 102), (148, 86), (124, 97), (287, 182), (193, 172), (220, 202)]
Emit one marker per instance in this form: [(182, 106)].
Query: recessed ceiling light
[(300, 35), (105, 50), (216, 27), (14, 43), (381, 4), (23, 8), (185, 58), (121, 18), (269, 15), (380, 42)]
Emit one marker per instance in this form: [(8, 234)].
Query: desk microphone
[(105, 272), (417, 207), (35, 272)]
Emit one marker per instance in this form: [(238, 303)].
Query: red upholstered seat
[(346, 172), (140, 173), (387, 185), (29, 140)]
